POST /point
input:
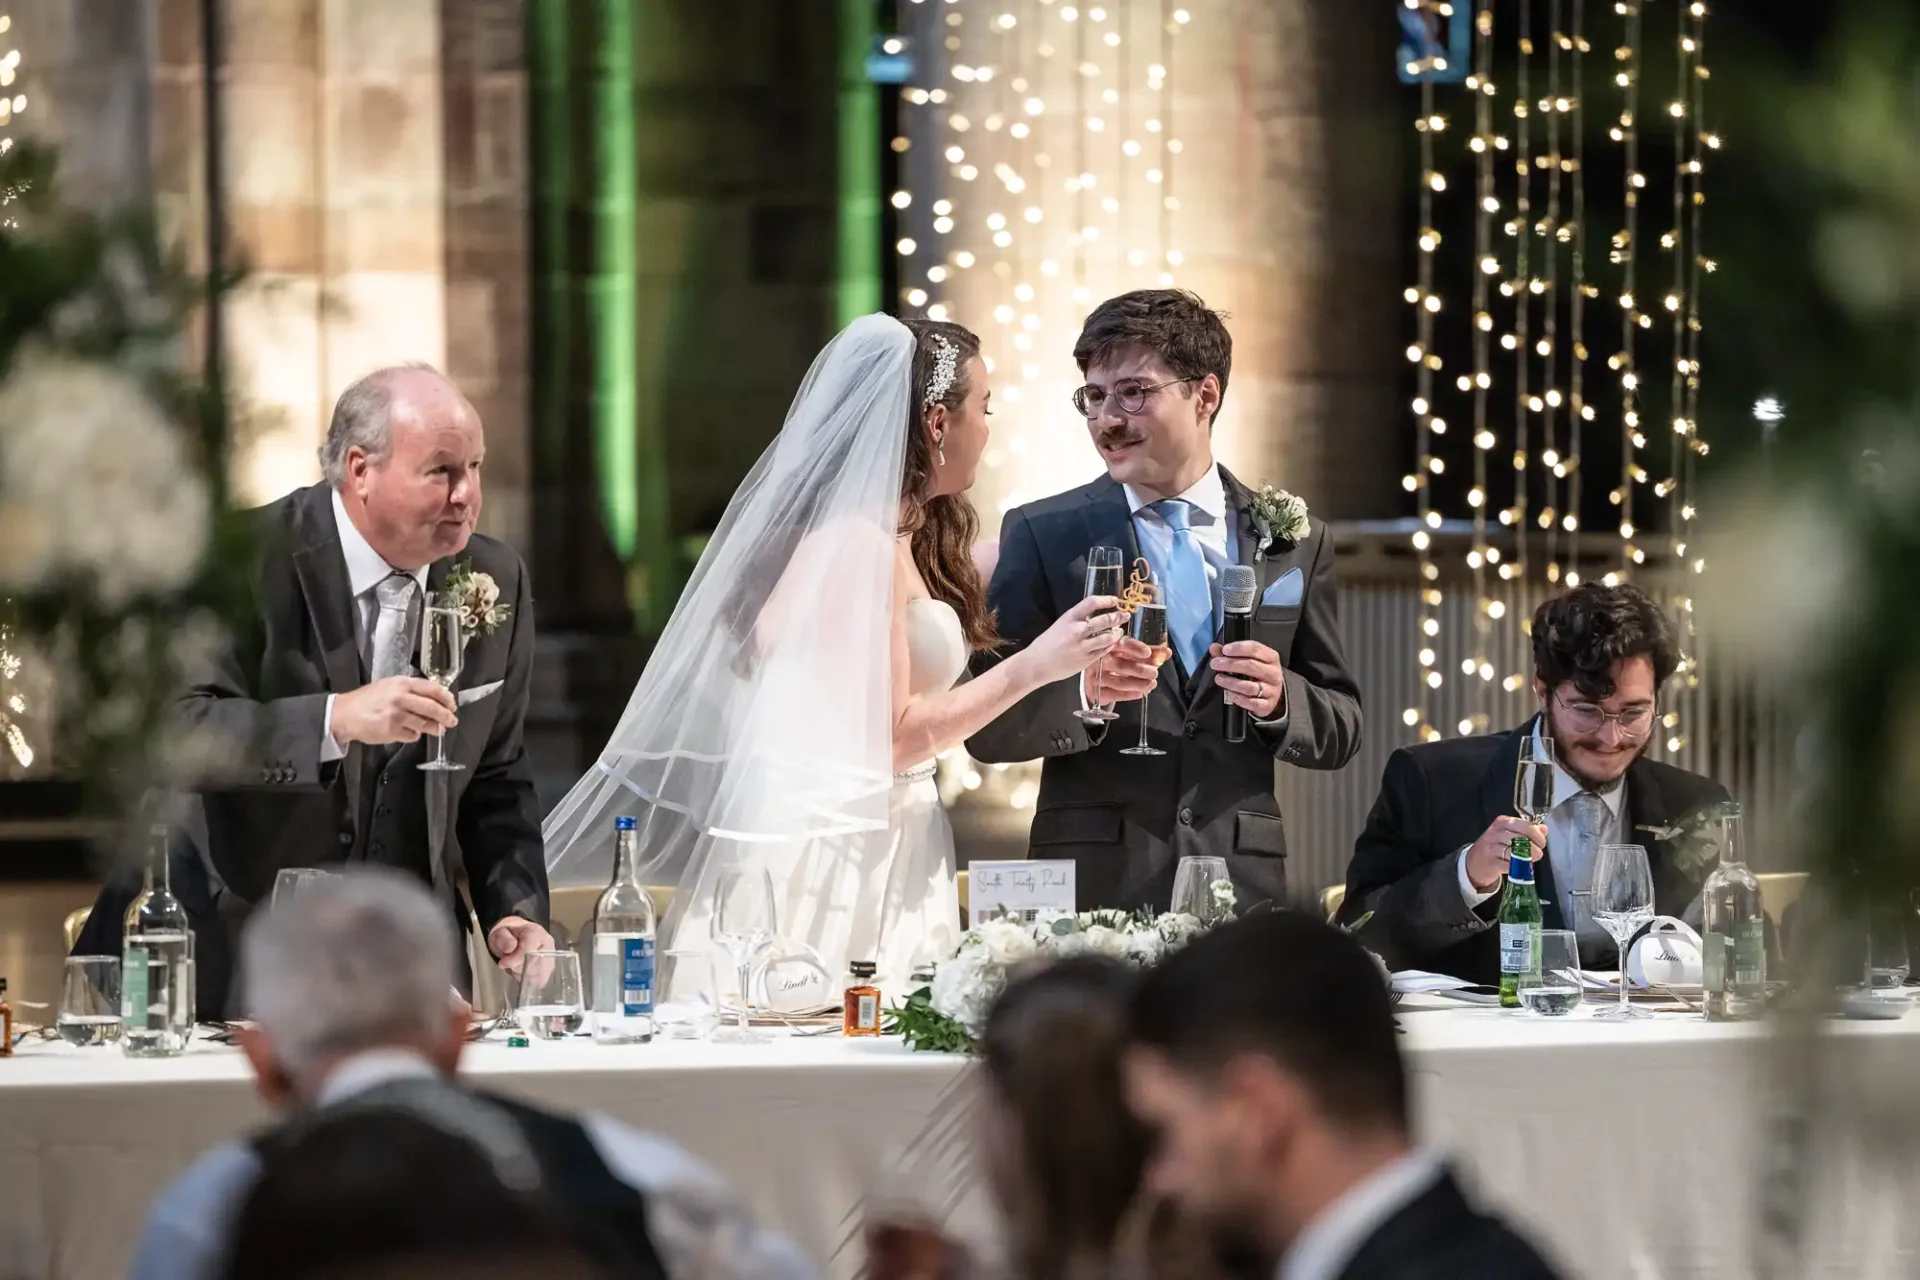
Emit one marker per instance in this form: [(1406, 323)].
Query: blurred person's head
[(359, 961), (1264, 1060), (1063, 1154), (1601, 655), (382, 1191), (404, 451), (1155, 364)]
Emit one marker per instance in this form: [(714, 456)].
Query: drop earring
[(940, 451)]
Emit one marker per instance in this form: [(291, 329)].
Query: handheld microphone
[(1238, 585)]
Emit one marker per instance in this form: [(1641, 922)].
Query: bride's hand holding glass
[(1076, 642)]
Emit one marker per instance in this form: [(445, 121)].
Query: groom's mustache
[(1118, 439)]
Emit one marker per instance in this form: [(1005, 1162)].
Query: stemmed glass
[(290, 882), (1622, 903), (1149, 627), (1106, 576), (1193, 894), (743, 925), (442, 652)]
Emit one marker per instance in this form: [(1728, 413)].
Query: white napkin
[(1668, 954)]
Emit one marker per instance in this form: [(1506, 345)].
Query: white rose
[(1104, 941), (1177, 929), (1007, 942), (1145, 947), (965, 987)]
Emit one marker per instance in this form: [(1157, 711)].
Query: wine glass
[(442, 652), (743, 926), (552, 1003), (1193, 890), (1149, 627), (1106, 576), (290, 882), (1622, 903)]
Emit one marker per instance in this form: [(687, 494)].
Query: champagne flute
[(1622, 903), (1149, 627), (1533, 780), (1106, 576), (442, 652), (743, 925)]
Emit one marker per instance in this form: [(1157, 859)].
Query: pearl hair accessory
[(946, 363)]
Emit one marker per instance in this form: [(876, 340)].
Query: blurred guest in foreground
[(1063, 1155), (347, 985), (1281, 1111), (1432, 861), (384, 1190)]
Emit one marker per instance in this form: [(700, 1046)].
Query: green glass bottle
[(1519, 923)]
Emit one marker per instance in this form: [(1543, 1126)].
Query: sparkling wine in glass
[(1106, 576), (1149, 627), (1622, 904), (743, 926), (442, 651)]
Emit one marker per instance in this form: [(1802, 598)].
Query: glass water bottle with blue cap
[(623, 948)]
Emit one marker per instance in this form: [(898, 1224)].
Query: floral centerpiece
[(950, 1013)]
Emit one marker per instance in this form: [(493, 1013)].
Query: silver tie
[(396, 627), (1589, 816)]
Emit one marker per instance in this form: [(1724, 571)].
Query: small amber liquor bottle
[(6, 1022), (861, 1014)]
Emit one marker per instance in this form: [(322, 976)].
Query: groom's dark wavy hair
[(944, 528), (1579, 635)]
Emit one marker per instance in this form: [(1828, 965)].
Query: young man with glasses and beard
[(1432, 862)]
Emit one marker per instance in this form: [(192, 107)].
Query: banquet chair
[(1780, 890), (1330, 899), (572, 908), (76, 921)]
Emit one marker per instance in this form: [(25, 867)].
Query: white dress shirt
[(1572, 865), (365, 571), (1324, 1249), (697, 1219)]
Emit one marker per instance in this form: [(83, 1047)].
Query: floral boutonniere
[(1696, 838), (478, 597), (1277, 514)]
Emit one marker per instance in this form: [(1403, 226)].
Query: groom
[(1155, 364), (319, 701)]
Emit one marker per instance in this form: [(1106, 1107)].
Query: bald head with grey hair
[(360, 961)]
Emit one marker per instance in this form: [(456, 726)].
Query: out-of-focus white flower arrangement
[(118, 557), (949, 1014)]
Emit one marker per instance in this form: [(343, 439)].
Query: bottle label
[(133, 986), (866, 1013), (1520, 860), (636, 977), (1516, 947), (1713, 961), (1749, 955)]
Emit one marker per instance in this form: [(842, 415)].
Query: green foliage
[(922, 1027)]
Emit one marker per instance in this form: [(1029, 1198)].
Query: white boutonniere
[(478, 598), (1277, 514), (1696, 838)]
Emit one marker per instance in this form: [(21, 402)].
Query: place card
[(1018, 889)]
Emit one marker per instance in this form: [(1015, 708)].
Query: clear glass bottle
[(860, 1010), (623, 948), (1733, 933), (156, 965)]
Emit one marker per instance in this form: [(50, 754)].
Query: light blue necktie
[(1183, 581)]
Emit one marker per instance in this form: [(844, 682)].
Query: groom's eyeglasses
[(1130, 397)]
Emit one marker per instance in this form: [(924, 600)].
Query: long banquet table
[(1625, 1150)]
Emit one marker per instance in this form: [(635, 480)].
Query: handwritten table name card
[(1019, 889)]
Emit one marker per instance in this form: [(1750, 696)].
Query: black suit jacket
[(1439, 1236), (1126, 821), (271, 803), (1436, 798)]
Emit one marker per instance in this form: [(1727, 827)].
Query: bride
[(790, 716)]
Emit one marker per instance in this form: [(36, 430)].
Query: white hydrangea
[(1008, 942), (1145, 947), (1104, 941), (1177, 929), (94, 482), (965, 987)]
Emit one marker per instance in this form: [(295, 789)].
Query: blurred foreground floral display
[(117, 548)]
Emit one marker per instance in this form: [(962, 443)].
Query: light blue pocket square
[(1286, 592), (467, 697)]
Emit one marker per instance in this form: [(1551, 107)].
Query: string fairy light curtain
[(1519, 362), (18, 754), (1039, 151)]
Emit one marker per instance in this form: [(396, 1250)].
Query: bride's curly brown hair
[(944, 528)]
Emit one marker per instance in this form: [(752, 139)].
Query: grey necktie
[(396, 626), (1587, 814)]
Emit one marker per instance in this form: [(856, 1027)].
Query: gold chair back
[(1330, 899), (1780, 890), (76, 921)]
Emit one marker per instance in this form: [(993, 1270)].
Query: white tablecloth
[(1624, 1150)]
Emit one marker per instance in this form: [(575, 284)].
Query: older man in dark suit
[(1156, 365), (320, 698)]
